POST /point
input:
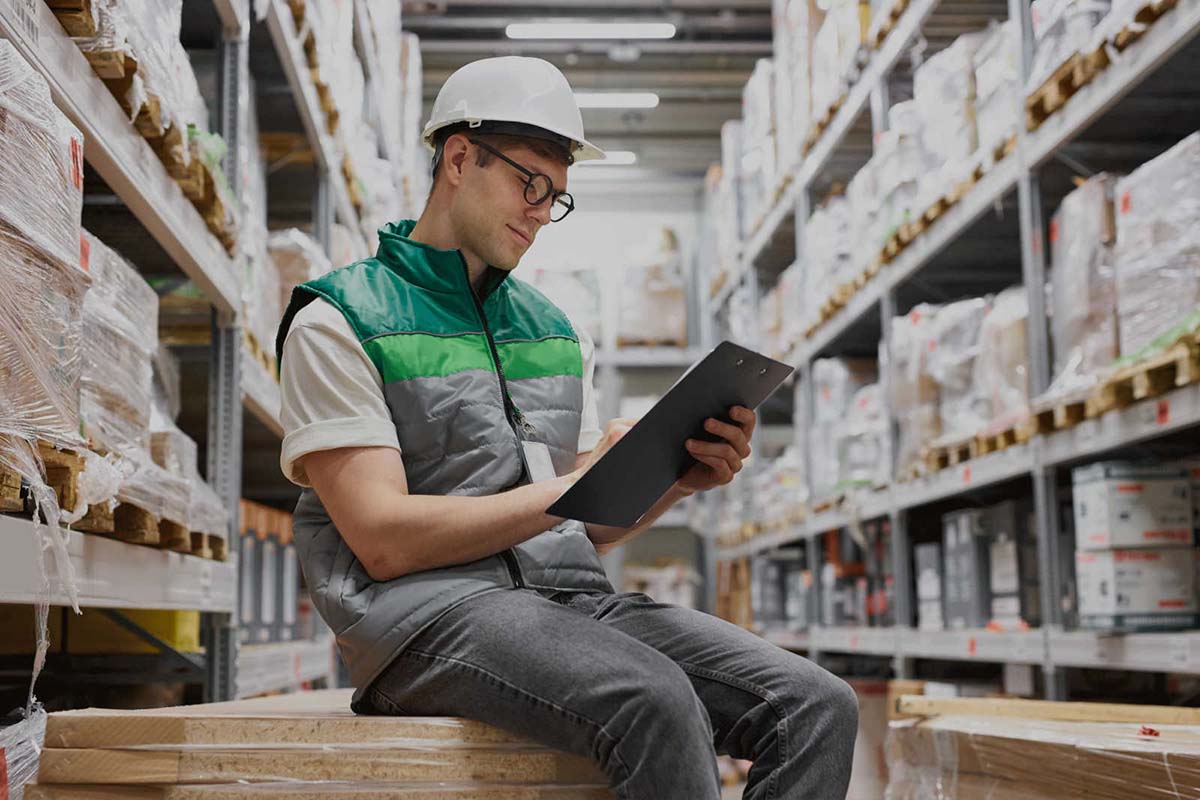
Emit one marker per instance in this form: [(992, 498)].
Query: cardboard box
[(965, 547), (1120, 504), (1136, 589)]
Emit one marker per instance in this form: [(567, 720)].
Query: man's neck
[(433, 229)]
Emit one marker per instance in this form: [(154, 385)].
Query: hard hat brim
[(584, 150)]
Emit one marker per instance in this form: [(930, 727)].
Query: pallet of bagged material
[(1141, 20), (311, 737)]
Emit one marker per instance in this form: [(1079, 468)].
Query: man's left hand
[(719, 461)]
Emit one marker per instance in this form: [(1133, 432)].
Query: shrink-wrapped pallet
[(1083, 290), (944, 94), (40, 310), (654, 295), (863, 445), (298, 257), (997, 86), (914, 392), (1158, 250), (955, 332), (575, 291), (1062, 28), (120, 323), (1002, 368)]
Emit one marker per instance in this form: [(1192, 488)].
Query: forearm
[(421, 532), (606, 537)]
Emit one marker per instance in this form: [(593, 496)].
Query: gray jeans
[(650, 692)]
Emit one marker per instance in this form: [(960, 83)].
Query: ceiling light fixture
[(613, 158), (590, 30), (616, 99)]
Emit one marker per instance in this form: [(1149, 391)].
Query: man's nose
[(540, 212)]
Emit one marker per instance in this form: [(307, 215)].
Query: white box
[(1136, 589), (1128, 505), (929, 615)]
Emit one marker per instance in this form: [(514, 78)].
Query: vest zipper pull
[(526, 426)]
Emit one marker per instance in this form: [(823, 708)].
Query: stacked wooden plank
[(963, 749), (307, 745)]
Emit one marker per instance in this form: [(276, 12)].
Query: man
[(434, 407)]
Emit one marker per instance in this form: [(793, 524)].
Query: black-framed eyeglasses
[(538, 187)]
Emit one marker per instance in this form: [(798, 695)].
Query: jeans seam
[(565, 712), (772, 703)]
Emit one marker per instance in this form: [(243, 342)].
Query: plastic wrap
[(914, 392), (757, 167), (835, 382), (1062, 28), (1005, 758), (654, 295), (863, 442), (826, 255), (21, 750), (944, 94), (116, 388), (1002, 368), (298, 257), (120, 296), (827, 80), (955, 332), (1083, 290), (997, 86), (1158, 250), (154, 490), (168, 390), (862, 201), (575, 291), (40, 325)]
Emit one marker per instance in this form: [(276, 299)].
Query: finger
[(745, 417), (731, 433), (719, 449), (719, 466)]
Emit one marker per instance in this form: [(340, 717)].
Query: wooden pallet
[(62, 473), (10, 491), (890, 17), (297, 7), (111, 63), (75, 16), (1071, 76), (985, 443), (1005, 148), (1142, 19), (821, 124), (1178, 365), (717, 284), (938, 457)]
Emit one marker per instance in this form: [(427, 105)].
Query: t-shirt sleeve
[(331, 393), (589, 428)]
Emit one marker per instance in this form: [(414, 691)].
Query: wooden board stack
[(999, 749), (307, 745)]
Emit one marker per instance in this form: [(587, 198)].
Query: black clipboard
[(630, 477)]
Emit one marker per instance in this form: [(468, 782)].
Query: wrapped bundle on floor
[(1158, 251)]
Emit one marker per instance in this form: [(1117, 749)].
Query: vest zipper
[(510, 412)]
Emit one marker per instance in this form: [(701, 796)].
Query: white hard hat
[(512, 89)]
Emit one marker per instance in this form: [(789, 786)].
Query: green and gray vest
[(465, 378)]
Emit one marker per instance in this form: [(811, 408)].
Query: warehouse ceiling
[(698, 74)]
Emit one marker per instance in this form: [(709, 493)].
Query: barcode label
[(27, 20)]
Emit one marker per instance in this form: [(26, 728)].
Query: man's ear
[(454, 157)]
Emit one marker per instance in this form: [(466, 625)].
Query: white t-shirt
[(332, 395)]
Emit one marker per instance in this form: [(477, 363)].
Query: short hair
[(559, 152)]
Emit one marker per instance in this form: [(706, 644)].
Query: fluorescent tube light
[(590, 30), (614, 158), (616, 99)]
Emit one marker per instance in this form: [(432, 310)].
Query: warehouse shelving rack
[(111, 574), (864, 321)]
